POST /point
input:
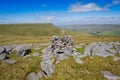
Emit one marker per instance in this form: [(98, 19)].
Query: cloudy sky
[(60, 11)]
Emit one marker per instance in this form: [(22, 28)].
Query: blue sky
[(60, 11)]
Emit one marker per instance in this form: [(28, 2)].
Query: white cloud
[(92, 20), (84, 8), (47, 18), (114, 2), (77, 7)]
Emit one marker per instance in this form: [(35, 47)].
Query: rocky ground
[(59, 49)]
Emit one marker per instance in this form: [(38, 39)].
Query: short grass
[(19, 70), (81, 50), (31, 33), (22, 67), (90, 70)]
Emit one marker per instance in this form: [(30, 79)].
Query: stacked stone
[(62, 46)]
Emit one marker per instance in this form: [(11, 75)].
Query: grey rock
[(40, 74), (77, 57), (32, 76), (88, 49), (23, 50), (8, 49), (77, 60), (110, 76), (2, 50), (116, 58), (35, 54), (118, 49), (116, 43), (3, 56), (47, 67), (61, 57), (100, 49), (10, 61), (47, 56)]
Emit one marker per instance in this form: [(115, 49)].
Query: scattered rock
[(2, 50), (100, 49), (35, 54), (116, 58), (110, 76), (40, 74), (23, 50), (8, 49), (10, 61), (118, 49), (77, 60), (32, 76), (47, 67), (3, 56)]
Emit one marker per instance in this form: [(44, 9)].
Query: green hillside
[(29, 30), (41, 33)]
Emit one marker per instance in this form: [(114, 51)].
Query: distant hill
[(96, 29), (41, 33), (46, 29), (29, 29), (32, 33)]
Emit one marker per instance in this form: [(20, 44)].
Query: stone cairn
[(60, 48)]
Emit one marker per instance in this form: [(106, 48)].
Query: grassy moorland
[(67, 69), (90, 70), (41, 33)]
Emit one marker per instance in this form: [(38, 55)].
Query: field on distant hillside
[(96, 29)]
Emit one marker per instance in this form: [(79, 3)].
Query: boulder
[(77, 60), (40, 74), (118, 49), (47, 67), (32, 76), (2, 50), (8, 49), (2, 56), (100, 49), (116, 58), (23, 50), (110, 76), (10, 61)]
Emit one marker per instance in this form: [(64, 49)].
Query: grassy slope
[(41, 33), (30, 33)]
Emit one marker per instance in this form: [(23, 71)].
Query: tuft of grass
[(81, 50)]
